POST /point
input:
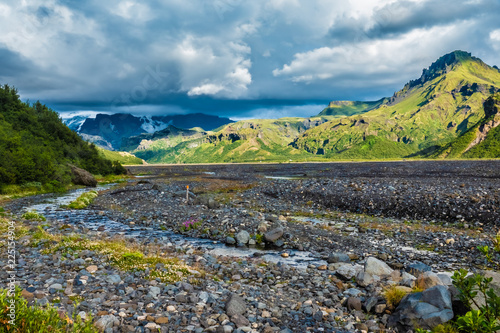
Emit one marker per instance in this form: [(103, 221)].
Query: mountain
[(166, 138), (36, 147), (481, 140), (108, 130), (433, 110), (350, 108), (244, 141)]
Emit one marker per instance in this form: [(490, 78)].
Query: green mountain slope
[(432, 110), (481, 141), (350, 108), (120, 156), (35, 146), (243, 141)]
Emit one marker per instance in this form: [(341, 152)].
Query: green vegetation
[(429, 112), (38, 319), (123, 255), (257, 140), (83, 200), (36, 146), (393, 295), (32, 215), (350, 108), (120, 157)]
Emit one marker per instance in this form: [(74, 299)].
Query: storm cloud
[(231, 57)]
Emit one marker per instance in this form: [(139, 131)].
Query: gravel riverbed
[(282, 248)]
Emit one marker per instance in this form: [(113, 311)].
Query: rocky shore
[(371, 237)]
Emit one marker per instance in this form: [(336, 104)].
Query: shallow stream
[(93, 220)]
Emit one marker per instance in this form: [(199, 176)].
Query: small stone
[(322, 267), (242, 237), (353, 303), (105, 322), (240, 320), (427, 280), (338, 257), (230, 240), (235, 305), (285, 255), (266, 314), (92, 269), (26, 294), (161, 320), (450, 241)]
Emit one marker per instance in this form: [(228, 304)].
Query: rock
[(353, 303), (439, 296), (56, 286), (338, 257), (224, 329), (377, 267), (82, 177), (417, 268), (427, 280), (273, 235), (92, 269), (154, 292), (161, 320), (113, 279), (242, 237), (105, 322), (408, 280), (27, 295), (348, 271), (364, 279), (230, 240), (370, 303), (425, 309), (235, 305), (239, 320), (445, 277), (495, 285)]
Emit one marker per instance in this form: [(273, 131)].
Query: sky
[(233, 58)]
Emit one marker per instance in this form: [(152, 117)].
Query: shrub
[(394, 295), (83, 200), (32, 215), (38, 319)]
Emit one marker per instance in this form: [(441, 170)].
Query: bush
[(484, 318), (83, 200), (32, 215), (38, 319)]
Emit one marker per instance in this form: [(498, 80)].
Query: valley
[(260, 247)]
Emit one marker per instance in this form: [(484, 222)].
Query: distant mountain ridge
[(108, 130)]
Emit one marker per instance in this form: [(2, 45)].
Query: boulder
[(242, 237), (377, 267), (274, 235), (427, 280), (348, 271), (82, 177), (426, 310)]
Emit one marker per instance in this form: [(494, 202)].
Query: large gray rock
[(377, 267), (348, 271), (495, 285), (242, 237), (82, 177), (235, 305), (274, 235), (426, 310)]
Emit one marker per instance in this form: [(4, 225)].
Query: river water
[(93, 219)]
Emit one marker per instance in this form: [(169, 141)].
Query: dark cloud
[(230, 57)]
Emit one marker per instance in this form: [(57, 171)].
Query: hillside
[(442, 104), (481, 141), (350, 108), (35, 146), (244, 141), (120, 156)]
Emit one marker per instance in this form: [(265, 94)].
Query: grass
[(84, 200), (120, 156), (32, 215), (38, 319), (393, 295), (127, 257)]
